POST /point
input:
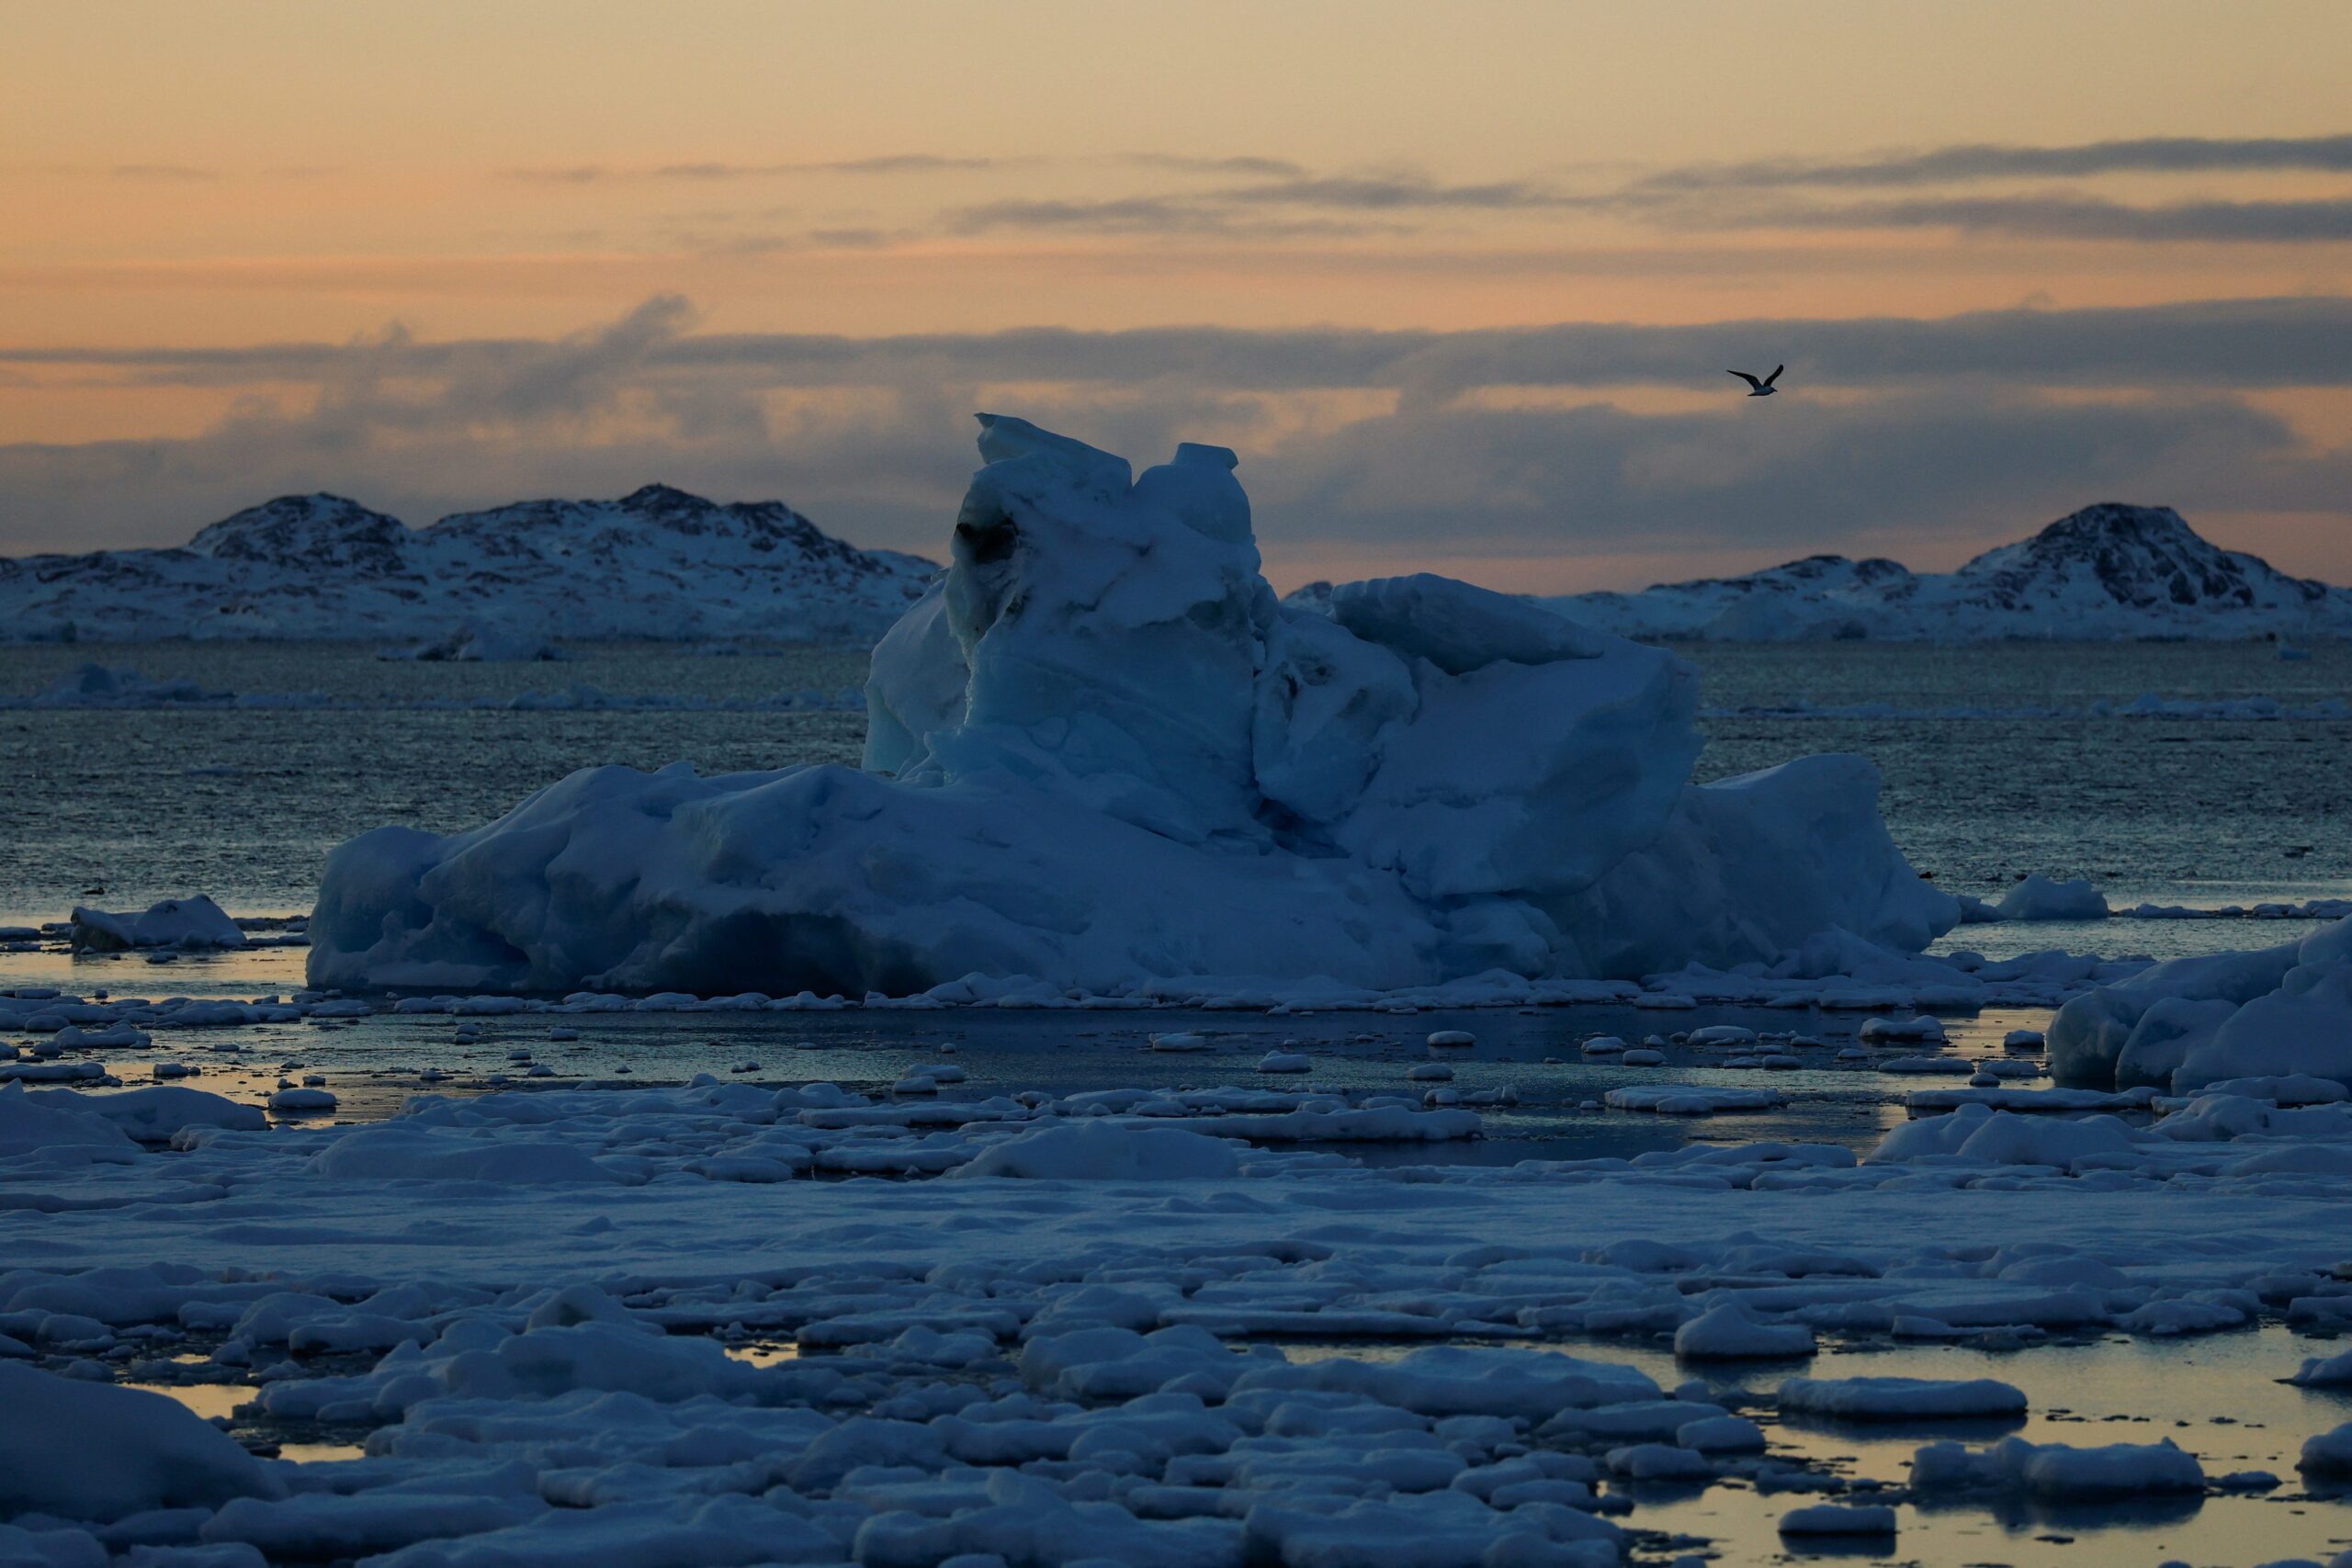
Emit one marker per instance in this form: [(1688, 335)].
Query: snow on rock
[(658, 564), (88, 1450), (1102, 754), (1085, 1152), (195, 922), (2040, 899), (2192, 1023), (2107, 573), (1901, 1399)]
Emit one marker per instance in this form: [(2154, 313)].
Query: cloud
[(1961, 438), (1403, 193), (1147, 215), (2244, 343), (1927, 467), (1273, 168), (2068, 217), (163, 173), (888, 163), (1271, 198), (1985, 161)]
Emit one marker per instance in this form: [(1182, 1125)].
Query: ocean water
[(244, 803)]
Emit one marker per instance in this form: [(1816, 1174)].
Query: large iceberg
[(1102, 756)]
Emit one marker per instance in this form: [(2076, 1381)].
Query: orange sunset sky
[(1459, 282)]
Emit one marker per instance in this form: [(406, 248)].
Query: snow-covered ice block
[(1722, 1435), (2058, 1472), (1901, 1399), (2330, 1453), (2325, 1371), (2003, 1137), (55, 1119), (2192, 1023), (394, 1151), (195, 922), (1730, 1332), (1083, 1151), (1840, 1519), (2040, 899), (156, 1115), (1921, 1029), (89, 1450), (1689, 1100), (1453, 1379)]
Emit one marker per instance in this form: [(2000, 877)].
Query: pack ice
[(1101, 753)]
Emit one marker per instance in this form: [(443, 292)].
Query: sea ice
[(2040, 899), (175, 922), (2057, 1472), (1730, 1332), (1901, 1399), (1088, 1152), (2196, 1022), (88, 1450), (1840, 1519)]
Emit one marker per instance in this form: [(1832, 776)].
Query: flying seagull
[(1762, 388)]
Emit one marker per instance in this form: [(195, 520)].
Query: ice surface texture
[(1101, 753)]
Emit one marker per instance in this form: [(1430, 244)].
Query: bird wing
[(1775, 374), (1744, 376)]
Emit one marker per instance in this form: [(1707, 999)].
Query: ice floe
[(2196, 1022)]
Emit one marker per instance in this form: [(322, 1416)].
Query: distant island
[(2109, 573), (662, 565), (659, 564)]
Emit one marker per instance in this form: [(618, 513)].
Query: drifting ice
[(1101, 753)]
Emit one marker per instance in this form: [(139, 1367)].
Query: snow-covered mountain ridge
[(656, 564), (2109, 573)]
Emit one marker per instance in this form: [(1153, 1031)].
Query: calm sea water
[(243, 803)]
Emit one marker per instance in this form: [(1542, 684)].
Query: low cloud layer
[(1570, 443), (1989, 161)]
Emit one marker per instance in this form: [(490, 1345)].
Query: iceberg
[(1102, 754)]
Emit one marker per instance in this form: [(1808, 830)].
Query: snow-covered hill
[(657, 564), (2107, 573)]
